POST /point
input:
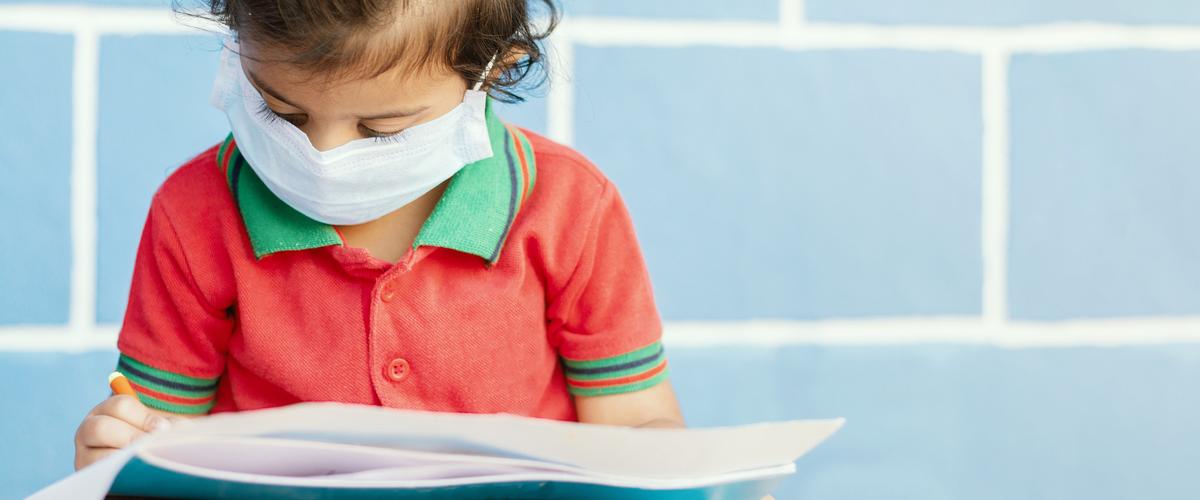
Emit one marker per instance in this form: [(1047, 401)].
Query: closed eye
[(271, 115), (379, 136)]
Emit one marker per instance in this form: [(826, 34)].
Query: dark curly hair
[(365, 38)]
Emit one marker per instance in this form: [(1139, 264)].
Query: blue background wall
[(766, 183)]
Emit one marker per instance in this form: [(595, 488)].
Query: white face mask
[(363, 179)]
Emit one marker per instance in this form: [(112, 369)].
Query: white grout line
[(945, 330), (103, 20), (995, 186), (560, 101), (47, 338), (85, 76), (602, 31), (791, 13)]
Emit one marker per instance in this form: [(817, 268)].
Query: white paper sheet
[(91, 482), (662, 453)]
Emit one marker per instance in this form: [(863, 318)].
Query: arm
[(608, 328), (653, 407), (172, 345)]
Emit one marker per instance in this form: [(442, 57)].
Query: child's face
[(333, 113)]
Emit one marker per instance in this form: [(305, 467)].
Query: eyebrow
[(400, 113)]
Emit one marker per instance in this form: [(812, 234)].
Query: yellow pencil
[(120, 384)]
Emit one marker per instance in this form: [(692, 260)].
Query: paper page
[(289, 458), (301, 464), (623, 451)]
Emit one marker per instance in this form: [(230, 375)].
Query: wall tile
[(796, 185), (1104, 185), (35, 156)]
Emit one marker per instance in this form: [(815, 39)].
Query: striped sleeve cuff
[(172, 392), (629, 372)]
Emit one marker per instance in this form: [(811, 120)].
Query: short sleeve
[(604, 319), (173, 340)]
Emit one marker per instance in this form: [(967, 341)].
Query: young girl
[(371, 232)]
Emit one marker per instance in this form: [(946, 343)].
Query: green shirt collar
[(474, 215)]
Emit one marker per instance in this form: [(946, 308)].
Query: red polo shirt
[(511, 300)]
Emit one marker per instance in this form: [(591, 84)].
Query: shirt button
[(397, 370), (388, 293)]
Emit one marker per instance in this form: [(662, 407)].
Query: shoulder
[(567, 183), (570, 198), (569, 190), (197, 201), (197, 185), (558, 163)]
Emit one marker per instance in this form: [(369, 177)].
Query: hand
[(113, 424)]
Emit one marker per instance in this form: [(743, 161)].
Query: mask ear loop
[(486, 71)]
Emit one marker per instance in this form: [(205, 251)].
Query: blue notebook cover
[(139, 478)]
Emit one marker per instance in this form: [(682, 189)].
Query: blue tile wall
[(41, 416), (923, 422), (1007, 13), (1104, 185), (771, 183), (764, 183), (35, 157), (154, 116)]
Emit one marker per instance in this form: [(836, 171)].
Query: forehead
[(347, 93), (393, 69)]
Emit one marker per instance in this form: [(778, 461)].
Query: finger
[(129, 409), (88, 456), (180, 421), (104, 431)]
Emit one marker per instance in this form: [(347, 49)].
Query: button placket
[(385, 348)]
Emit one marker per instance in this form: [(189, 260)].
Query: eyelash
[(270, 115)]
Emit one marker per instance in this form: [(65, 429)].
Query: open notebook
[(330, 450)]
